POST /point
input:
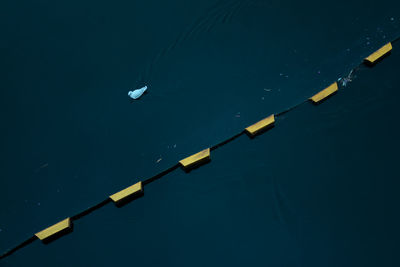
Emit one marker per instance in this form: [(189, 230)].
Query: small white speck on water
[(391, 19)]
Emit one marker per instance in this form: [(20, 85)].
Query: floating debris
[(267, 90), (349, 78), (160, 159), (42, 167), (135, 94)]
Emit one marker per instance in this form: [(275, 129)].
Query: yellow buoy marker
[(262, 125), (379, 53), (325, 93), (196, 159), (55, 229), (130, 191)]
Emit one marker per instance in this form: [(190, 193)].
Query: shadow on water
[(323, 100), (196, 165), (129, 199), (20, 246), (58, 235), (372, 64), (269, 127)]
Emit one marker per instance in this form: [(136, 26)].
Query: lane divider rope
[(137, 190)]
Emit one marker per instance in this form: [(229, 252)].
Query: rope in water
[(342, 83)]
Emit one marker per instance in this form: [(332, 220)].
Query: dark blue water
[(318, 189)]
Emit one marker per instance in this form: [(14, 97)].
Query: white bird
[(135, 94)]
